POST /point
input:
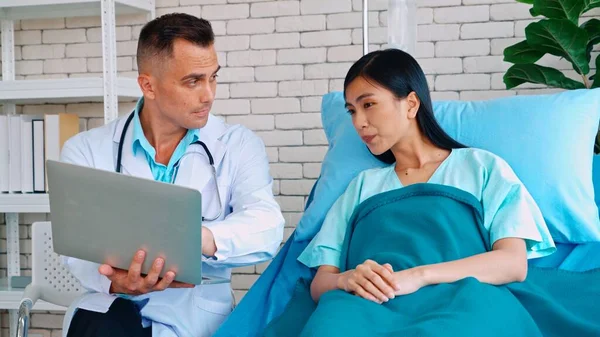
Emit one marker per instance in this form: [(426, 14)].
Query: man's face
[(185, 85)]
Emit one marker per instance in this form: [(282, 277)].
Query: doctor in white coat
[(178, 67)]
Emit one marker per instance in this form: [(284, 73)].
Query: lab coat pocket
[(215, 202), (216, 307)]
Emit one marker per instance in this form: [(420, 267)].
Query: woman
[(387, 96)]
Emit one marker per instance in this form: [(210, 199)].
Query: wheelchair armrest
[(30, 296), (24, 317)]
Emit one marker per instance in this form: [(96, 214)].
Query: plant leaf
[(596, 83), (533, 73), (522, 53), (533, 12), (589, 4), (529, 2), (562, 38), (592, 27), (559, 9)]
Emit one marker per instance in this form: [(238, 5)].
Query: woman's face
[(380, 118)]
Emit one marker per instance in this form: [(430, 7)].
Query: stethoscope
[(176, 166)]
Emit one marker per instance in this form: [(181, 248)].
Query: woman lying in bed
[(387, 96), (436, 243)]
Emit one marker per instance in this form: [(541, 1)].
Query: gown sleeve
[(326, 247), (511, 212)]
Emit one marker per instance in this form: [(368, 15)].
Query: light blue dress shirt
[(140, 143)]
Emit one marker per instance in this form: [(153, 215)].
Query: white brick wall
[(275, 9), (461, 14), (325, 7), (251, 58), (251, 26), (301, 56), (301, 23), (487, 30), (275, 41), (279, 58)]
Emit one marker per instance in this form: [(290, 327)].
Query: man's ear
[(146, 83), (413, 104)]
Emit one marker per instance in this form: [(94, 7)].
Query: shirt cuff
[(105, 284), (222, 237)]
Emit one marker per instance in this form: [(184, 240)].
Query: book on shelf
[(4, 153), (39, 167), (14, 153), (26, 142)]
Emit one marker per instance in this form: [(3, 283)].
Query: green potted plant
[(560, 34)]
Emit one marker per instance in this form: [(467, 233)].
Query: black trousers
[(122, 319)]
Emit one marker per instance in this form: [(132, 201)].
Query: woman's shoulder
[(491, 165), (480, 156)]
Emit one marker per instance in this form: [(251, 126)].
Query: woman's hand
[(369, 280), (408, 281)]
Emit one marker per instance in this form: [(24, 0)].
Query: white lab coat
[(248, 232)]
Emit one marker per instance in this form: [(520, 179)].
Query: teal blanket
[(425, 224)]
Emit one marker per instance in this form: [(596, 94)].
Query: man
[(178, 67)]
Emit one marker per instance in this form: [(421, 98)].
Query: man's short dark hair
[(157, 36)]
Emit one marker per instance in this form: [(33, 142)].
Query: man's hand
[(132, 282), (369, 280)]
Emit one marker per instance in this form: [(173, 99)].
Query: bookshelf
[(67, 90), (24, 203), (109, 89), (38, 9)]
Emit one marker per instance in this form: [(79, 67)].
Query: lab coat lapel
[(134, 165), (196, 172)]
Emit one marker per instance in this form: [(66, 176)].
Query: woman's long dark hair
[(400, 73)]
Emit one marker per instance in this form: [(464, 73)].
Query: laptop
[(106, 217)]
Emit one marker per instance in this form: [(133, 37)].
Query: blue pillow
[(547, 140), (596, 178)]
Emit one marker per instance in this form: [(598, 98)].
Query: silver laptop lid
[(105, 217)]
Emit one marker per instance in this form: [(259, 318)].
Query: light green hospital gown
[(509, 209)]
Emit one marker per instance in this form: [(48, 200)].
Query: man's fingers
[(176, 284), (106, 270), (166, 281), (388, 267), (135, 269), (152, 276)]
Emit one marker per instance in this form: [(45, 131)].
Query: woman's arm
[(369, 280), (326, 279), (506, 263)]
